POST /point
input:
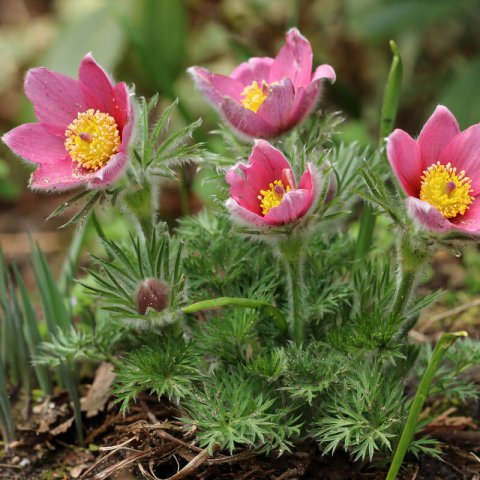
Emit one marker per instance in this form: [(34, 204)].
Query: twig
[(193, 465), (171, 438), (100, 460), (449, 313)]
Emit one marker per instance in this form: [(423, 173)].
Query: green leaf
[(32, 333)]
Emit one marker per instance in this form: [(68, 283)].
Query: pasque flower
[(264, 192), (83, 131), (265, 97), (440, 173)]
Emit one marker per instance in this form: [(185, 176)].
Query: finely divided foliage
[(280, 328)]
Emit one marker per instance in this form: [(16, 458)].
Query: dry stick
[(194, 465), (132, 459), (449, 313), (113, 449)]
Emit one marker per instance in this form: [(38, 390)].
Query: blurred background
[(150, 43)]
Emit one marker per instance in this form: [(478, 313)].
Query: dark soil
[(149, 443)]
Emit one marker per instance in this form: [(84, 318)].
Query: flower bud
[(151, 293)]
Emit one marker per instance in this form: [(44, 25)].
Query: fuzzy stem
[(445, 342), (239, 302), (404, 290), (294, 271), (292, 253), (411, 261)]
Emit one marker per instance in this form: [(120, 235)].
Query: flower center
[(445, 189), (273, 196), (92, 138), (255, 95)]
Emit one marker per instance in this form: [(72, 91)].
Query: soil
[(149, 443)]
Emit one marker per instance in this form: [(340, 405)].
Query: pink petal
[(110, 172), (266, 164), (245, 121), (440, 128), (96, 85), (215, 86), (60, 175), (306, 98), (324, 72), (277, 107), (56, 98), (463, 152), (404, 156), (242, 192), (35, 143), (310, 182), (244, 216), (428, 216), (122, 107), (305, 102), (256, 69), (294, 204), (294, 60), (470, 221), (128, 129)]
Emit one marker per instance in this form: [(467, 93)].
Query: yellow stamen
[(273, 196), (92, 139), (445, 189), (255, 95)]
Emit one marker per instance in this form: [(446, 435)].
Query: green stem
[(72, 259), (67, 371), (411, 261), (388, 114), (292, 252), (294, 271), (445, 342), (365, 233), (239, 302), (404, 290)]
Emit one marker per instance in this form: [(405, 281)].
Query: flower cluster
[(85, 127)]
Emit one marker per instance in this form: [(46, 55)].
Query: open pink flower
[(440, 173), (264, 193), (265, 97), (83, 131)]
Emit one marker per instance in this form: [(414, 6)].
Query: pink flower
[(83, 131), (265, 97), (440, 173), (264, 193)]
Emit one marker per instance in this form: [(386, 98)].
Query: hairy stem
[(239, 302), (404, 290), (411, 260), (292, 252), (445, 342), (294, 271)]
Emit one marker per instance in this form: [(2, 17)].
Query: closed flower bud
[(151, 293)]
